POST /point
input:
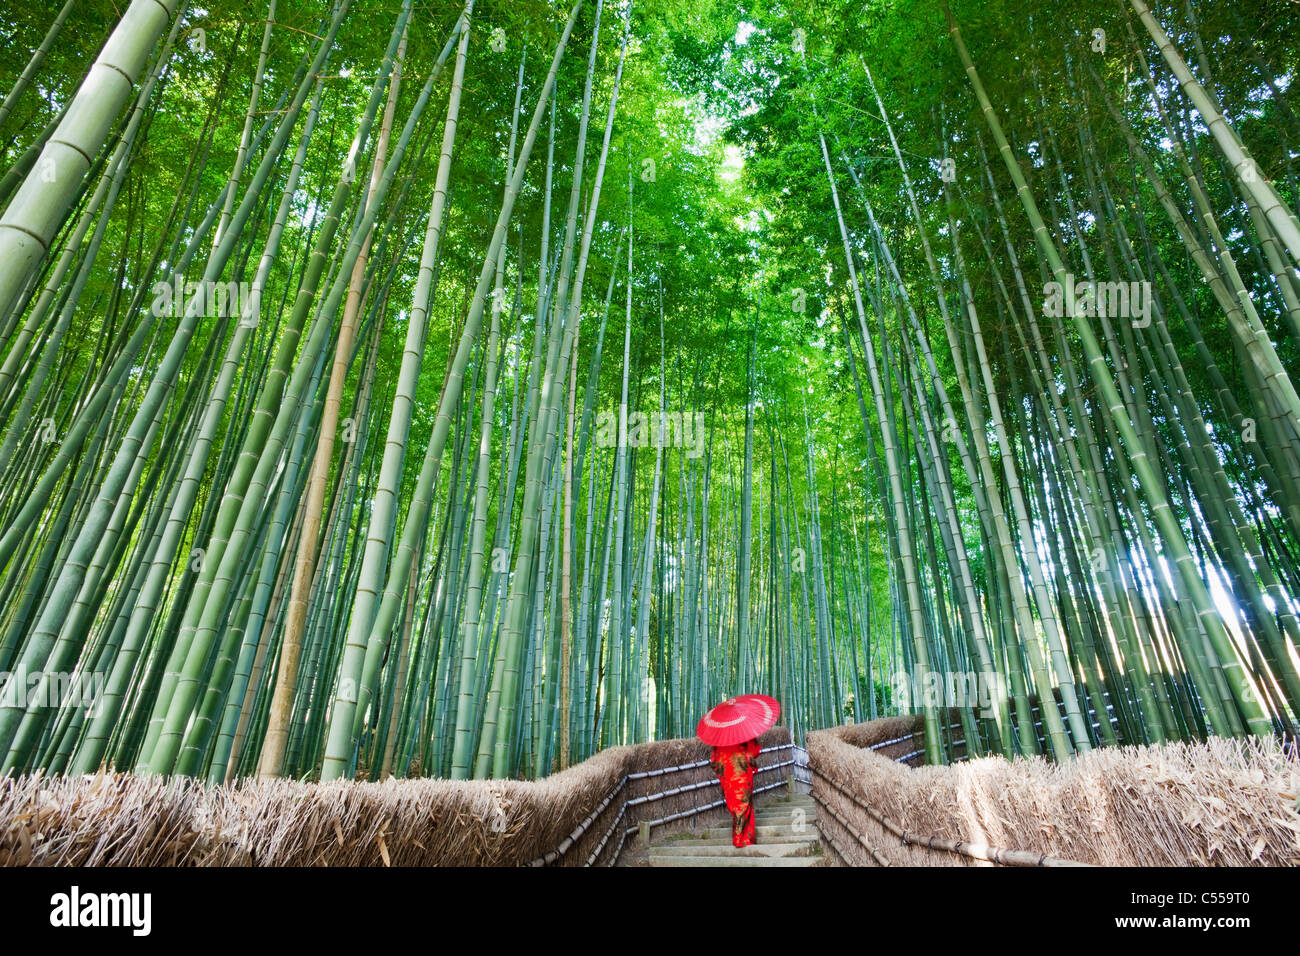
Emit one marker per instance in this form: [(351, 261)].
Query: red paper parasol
[(738, 719)]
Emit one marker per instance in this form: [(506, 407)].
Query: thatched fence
[(1226, 802), (581, 816)]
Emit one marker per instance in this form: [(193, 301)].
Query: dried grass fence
[(1225, 802), (581, 816)]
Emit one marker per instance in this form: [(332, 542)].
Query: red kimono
[(735, 766)]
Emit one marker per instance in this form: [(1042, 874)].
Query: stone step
[(764, 834), (724, 841), (778, 843), (698, 848), (736, 860)]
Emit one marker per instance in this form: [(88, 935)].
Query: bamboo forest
[(485, 389)]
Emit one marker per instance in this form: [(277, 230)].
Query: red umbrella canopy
[(738, 719)]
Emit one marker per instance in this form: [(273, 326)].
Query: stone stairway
[(786, 836)]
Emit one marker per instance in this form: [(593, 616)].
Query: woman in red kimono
[(735, 766)]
